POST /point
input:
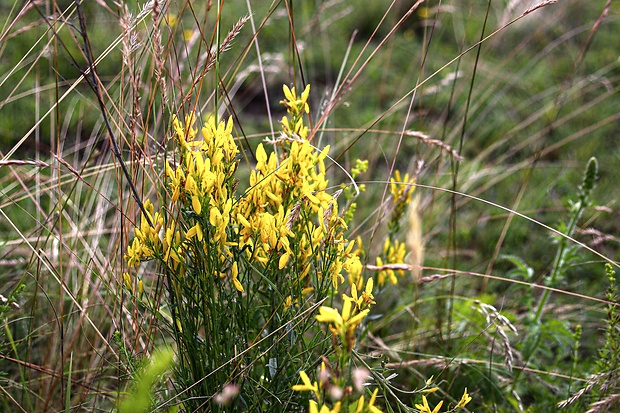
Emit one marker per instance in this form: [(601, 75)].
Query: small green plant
[(535, 347), (140, 398), (566, 254)]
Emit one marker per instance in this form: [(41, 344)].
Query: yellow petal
[(196, 204), (346, 310), (328, 315), (238, 285), (283, 260)]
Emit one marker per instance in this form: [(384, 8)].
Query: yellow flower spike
[(367, 296), (466, 398), (195, 231), (354, 296), (127, 280), (134, 253), (354, 267), (140, 287)]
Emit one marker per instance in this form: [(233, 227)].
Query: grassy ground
[(494, 110)]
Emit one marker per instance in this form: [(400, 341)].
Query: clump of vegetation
[(174, 237)]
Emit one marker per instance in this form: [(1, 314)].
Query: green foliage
[(140, 398)]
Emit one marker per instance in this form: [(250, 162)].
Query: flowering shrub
[(247, 270)]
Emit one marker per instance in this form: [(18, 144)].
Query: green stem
[(558, 262)]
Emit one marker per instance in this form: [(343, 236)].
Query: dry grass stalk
[(500, 322), (10, 162), (538, 6), (158, 51), (131, 42), (609, 404), (435, 142), (209, 57)]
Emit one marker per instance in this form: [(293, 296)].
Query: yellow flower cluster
[(394, 253), (354, 309), (401, 188), (200, 184), (296, 107), (146, 241), (285, 217), (426, 408), (326, 386), (284, 189)]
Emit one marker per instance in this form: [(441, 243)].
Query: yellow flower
[(425, 408), (366, 298), (288, 302), (401, 189), (307, 385), (195, 231), (127, 279), (342, 324), (196, 204), (360, 404), (371, 403), (235, 273), (296, 104), (283, 260), (466, 398)]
